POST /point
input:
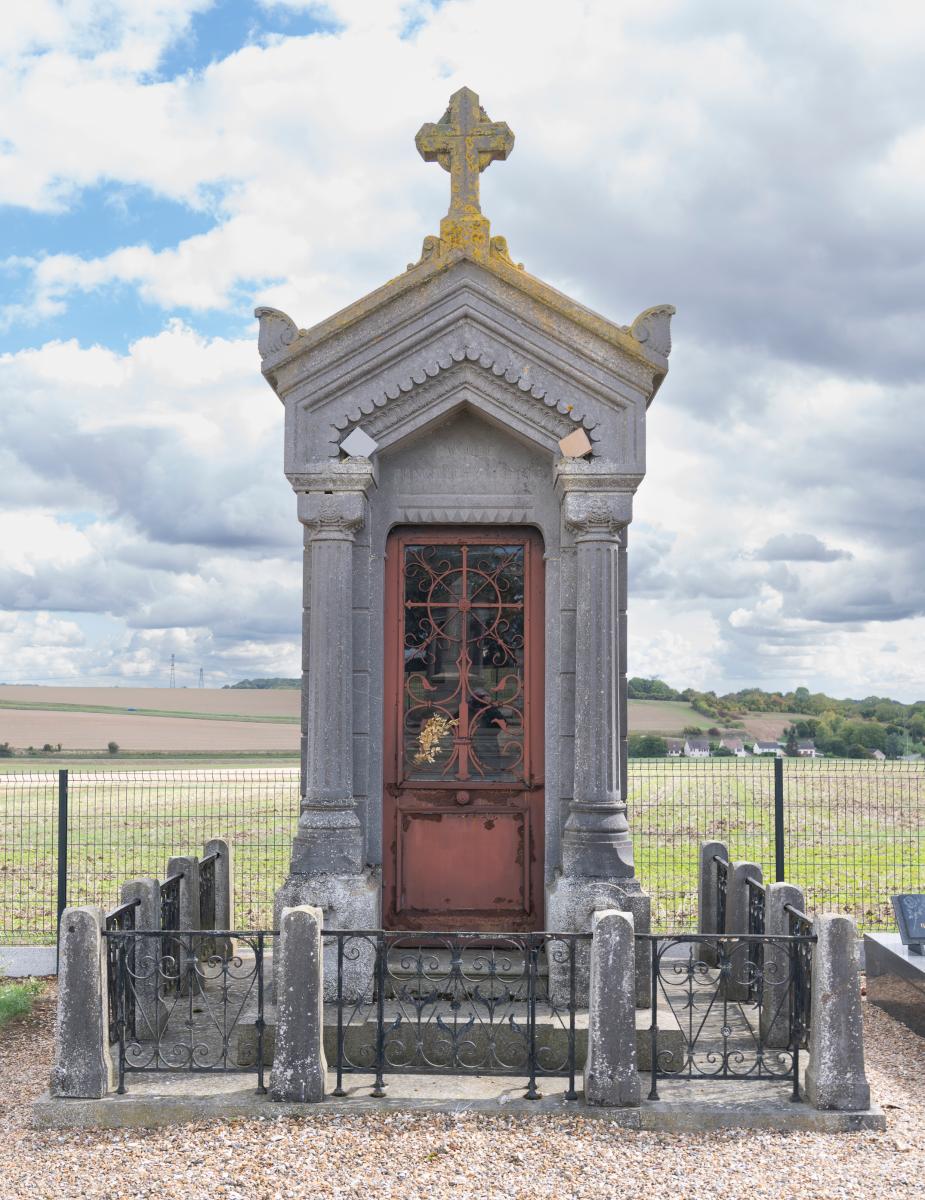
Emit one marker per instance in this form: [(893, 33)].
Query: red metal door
[(463, 797)]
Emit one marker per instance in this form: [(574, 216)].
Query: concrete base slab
[(18, 962), (684, 1106)]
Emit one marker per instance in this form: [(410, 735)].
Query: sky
[(166, 165)]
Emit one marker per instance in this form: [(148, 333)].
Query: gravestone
[(464, 444)]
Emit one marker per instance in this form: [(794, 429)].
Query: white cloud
[(759, 167)]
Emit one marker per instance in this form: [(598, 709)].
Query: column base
[(571, 901), (349, 901)]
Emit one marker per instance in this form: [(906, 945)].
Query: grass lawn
[(855, 831), (16, 998)]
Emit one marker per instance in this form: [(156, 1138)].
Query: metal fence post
[(62, 858), (779, 862)]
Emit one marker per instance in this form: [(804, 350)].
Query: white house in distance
[(675, 747), (734, 744), (768, 748), (697, 747), (807, 749)]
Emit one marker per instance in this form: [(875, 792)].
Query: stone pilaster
[(328, 869), (597, 853), (330, 837), (595, 841)]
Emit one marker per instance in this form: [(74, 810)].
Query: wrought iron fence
[(121, 919), (460, 1003), (756, 911), (177, 1009), (850, 833), (737, 1020)]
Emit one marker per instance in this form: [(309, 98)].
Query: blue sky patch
[(228, 26)]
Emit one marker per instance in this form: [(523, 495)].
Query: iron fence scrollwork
[(801, 927), (757, 896), (187, 1009), (455, 1004), (724, 1033), (722, 889), (121, 919)]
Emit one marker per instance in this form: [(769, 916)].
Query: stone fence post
[(144, 957), (835, 1077), (187, 866), (708, 915), (777, 975), (611, 1077), (83, 1068), (224, 893), (737, 985), (299, 1064)]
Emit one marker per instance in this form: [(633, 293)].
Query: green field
[(855, 832)]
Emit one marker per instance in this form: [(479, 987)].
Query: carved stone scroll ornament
[(653, 328), (277, 330)]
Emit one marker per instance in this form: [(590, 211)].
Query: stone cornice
[(646, 340), (347, 475)]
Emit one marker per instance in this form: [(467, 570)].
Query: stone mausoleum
[(464, 444)]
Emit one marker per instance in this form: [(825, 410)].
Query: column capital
[(332, 475), (336, 516), (597, 516)]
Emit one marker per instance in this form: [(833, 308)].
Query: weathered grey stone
[(224, 892), (83, 1068), (570, 907), (737, 984), (145, 955), (299, 1065), (835, 1077), (777, 971), (187, 866), (708, 898), (346, 902), (611, 1076), (467, 372)]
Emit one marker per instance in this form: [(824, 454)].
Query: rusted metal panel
[(463, 802)]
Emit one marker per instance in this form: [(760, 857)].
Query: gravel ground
[(463, 1157)]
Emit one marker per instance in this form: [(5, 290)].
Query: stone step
[(502, 1042)]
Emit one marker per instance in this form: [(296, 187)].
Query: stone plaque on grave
[(464, 444), (910, 917)]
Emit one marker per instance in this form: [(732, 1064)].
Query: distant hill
[(846, 728), (264, 685)]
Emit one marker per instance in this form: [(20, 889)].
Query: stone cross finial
[(464, 142)]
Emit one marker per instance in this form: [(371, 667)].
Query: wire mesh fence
[(853, 833), (125, 824), (853, 830)]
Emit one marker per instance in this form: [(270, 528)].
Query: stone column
[(835, 1077), (145, 957), (707, 897), (777, 973), (737, 984), (83, 1068), (597, 852), (298, 1058), (224, 893), (328, 866), (611, 1076), (183, 947), (595, 841)]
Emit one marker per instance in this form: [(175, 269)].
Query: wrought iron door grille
[(455, 1004), (727, 1010)]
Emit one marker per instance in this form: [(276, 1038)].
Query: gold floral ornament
[(433, 731)]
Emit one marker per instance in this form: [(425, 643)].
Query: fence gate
[(741, 1002)]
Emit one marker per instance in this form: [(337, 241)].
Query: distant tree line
[(276, 682), (846, 728)]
